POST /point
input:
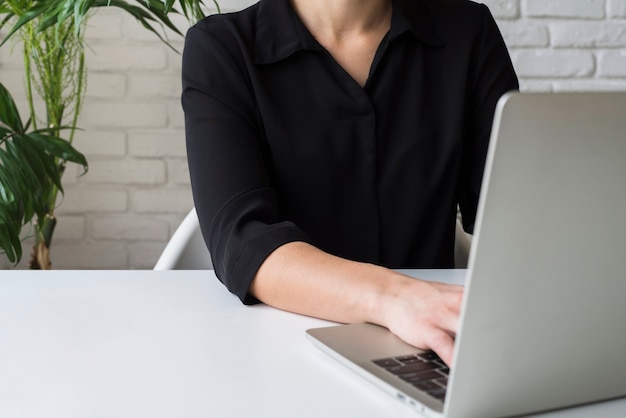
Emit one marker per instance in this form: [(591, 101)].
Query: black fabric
[(283, 145)]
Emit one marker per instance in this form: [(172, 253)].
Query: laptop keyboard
[(426, 371)]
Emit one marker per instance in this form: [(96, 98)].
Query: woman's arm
[(300, 278)]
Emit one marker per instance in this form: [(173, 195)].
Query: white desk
[(117, 344)]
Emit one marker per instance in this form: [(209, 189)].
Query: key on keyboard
[(426, 371)]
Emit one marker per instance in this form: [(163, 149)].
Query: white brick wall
[(578, 9), (617, 8), (122, 212)]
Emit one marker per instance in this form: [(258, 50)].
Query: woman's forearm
[(300, 278)]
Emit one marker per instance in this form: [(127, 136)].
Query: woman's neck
[(350, 30), (337, 19)]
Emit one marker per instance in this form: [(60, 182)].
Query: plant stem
[(79, 88), (28, 76), (40, 258)]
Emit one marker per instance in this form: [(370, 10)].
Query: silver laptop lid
[(544, 315)]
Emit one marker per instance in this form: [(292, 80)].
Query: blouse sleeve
[(234, 199), (492, 75)]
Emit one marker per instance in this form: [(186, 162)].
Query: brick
[(176, 115), (101, 143), (590, 85), (535, 85), (617, 8), (80, 201), (179, 172), (13, 80), (613, 64), (503, 9), (588, 34), (124, 57), (158, 144), (106, 85), (131, 228), (69, 228), (124, 115), (154, 86), (144, 255), (105, 24), (89, 255), (175, 58), (582, 9), (230, 5), (524, 34), (5, 264), (175, 221), (546, 64), (11, 55), (144, 172), (72, 174), (163, 200)]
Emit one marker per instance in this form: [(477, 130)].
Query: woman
[(331, 141)]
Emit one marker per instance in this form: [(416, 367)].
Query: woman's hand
[(423, 314)]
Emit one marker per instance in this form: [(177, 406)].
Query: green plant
[(33, 154), (30, 173)]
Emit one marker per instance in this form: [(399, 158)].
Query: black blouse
[(283, 145)]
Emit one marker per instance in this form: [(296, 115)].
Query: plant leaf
[(22, 192), (7, 195), (9, 237), (9, 115), (6, 243), (39, 163), (11, 216), (32, 13), (37, 173), (8, 15), (4, 134), (59, 147)]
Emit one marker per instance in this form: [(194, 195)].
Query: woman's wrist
[(387, 290)]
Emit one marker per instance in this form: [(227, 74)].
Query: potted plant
[(34, 152)]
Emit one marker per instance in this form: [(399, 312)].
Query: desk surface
[(117, 344)]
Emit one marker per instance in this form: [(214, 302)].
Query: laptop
[(543, 320)]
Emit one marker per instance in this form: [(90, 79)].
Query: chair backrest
[(186, 249), (462, 244)]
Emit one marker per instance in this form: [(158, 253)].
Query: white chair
[(186, 249), (462, 244)]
